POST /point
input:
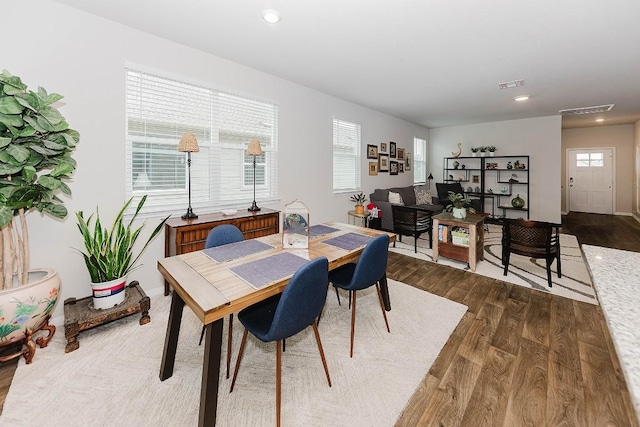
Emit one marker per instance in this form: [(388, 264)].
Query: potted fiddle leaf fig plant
[(36, 144), (459, 205), (109, 253)]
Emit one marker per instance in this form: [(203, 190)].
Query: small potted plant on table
[(459, 205), (359, 200)]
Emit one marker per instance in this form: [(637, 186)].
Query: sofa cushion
[(395, 198), (407, 194), (423, 195), (379, 195)]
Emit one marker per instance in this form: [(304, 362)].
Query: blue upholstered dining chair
[(368, 271), (286, 314), (218, 236)]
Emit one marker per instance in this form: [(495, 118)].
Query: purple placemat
[(320, 230), (270, 269), (349, 241), (236, 250)]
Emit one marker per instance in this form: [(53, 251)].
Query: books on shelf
[(460, 236), (443, 233)]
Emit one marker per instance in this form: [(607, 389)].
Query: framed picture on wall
[(383, 147), (400, 154), (393, 167), (372, 151), (383, 163), (373, 168), (475, 179), (401, 167), (392, 150), (407, 161)]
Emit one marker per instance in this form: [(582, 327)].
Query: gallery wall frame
[(407, 161), (373, 168), (400, 153), (372, 151), (383, 163), (383, 147), (393, 167), (392, 150)]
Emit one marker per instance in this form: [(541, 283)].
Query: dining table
[(219, 281)]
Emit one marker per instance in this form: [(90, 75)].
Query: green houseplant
[(474, 151), (491, 149), (359, 200), (109, 253), (36, 144), (459, 205)]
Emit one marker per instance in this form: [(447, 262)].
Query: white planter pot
[(460, 213), (109, 294), (490, 153), (482, 154), (473, 154)]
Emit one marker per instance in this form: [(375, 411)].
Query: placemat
[(321, 230), (349, 241), (270, 269), (236, 250)]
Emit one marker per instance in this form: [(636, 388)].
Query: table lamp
[(254, 150), (189, 144)]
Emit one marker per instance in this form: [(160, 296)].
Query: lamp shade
[(430, 176), (188, 143), (254, 148)]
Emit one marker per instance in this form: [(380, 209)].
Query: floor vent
[(586, 110)]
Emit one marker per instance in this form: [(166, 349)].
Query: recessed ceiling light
[(599, 120), (512, 83), (521, 98), (271, 16)]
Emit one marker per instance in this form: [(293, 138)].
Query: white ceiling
[(435, 63)]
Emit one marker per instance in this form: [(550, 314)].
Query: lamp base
[(254, 207), (189, 214)]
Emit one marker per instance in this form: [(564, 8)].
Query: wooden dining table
[(216, 282)]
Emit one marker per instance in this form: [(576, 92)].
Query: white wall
[(82, 57), (540, 138)]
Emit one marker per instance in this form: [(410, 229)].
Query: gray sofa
[(380, 197)]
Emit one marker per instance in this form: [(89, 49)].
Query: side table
[(352, 218), (472, 253), (79, 315)]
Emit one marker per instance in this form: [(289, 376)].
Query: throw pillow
[(395, 198), (423, 196)]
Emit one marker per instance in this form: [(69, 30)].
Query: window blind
[(160, 110), (419, 161), (346, 156)]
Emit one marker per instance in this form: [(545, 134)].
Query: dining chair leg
[(505, 261), (337, 295), (324, 360), (549, 261), (229, 342), (559, 264), (353, 318), (384, 313), (240, 352), (278, 380), (415, 243)]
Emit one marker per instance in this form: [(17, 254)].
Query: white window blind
[(346, 156), (419, 161), (160, 110)]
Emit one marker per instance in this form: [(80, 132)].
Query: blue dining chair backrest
[(223, 235), (372, 264), (300, 303)]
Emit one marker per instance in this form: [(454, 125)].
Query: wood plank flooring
[(518, 357)]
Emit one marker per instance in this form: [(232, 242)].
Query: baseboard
[(623, 213)]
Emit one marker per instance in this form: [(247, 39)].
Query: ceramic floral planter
[(26, 309)]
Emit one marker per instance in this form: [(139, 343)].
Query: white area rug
[(532, 273), (112, 379)]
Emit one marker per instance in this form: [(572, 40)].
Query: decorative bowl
[(228, 211)]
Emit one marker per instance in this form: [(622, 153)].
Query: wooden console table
[(79, 315), (182, 236), (471, 254)]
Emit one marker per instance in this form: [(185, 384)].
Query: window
[(161, 110), (346, 156), (593, 160), (419, 161)]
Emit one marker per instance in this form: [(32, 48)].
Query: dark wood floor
[(518, 357)]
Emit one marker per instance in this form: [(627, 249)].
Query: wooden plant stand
[(26, 346), (79, 315)]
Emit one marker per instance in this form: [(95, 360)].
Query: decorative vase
[(473, 154), (359, 209), (108, 294), (460, 213), (26, 310), (482, 154), (517, 202), (490, 153)]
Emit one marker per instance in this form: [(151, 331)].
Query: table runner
[(270, 269), (236, 250), (349, 241)]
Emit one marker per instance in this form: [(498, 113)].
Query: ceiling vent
[(512, 83), (586, 110)]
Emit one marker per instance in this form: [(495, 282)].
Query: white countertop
[(616, 277)]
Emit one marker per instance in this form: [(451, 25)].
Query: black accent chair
[(443, 194), (411, 221), (535, 239)]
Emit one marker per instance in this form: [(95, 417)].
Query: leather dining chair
[(410, 221), (534, 239), (284, 315), (223, 235), (368, 271)]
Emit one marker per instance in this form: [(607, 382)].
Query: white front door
[(590, 180)]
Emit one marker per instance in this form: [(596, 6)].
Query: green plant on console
[(109, 253), (458, 201), (358, 199), (475, 149), (491, 148)]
